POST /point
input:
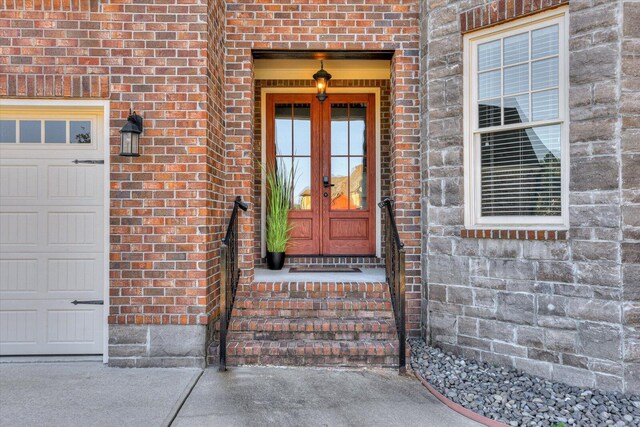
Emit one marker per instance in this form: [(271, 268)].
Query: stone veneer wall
[(563, 309), (165, 211), (385, 115)]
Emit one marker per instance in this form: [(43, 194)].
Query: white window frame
[(472, 169)]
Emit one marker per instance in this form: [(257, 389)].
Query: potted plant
[(279, 185)]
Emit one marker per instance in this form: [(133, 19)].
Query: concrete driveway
[(91, 394)]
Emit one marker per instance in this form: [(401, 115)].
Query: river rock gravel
[(519, 399)]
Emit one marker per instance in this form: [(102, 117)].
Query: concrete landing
[(269, 396)]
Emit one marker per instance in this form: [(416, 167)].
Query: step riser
[(336, 362), (313, 314), (315, 290), (309, 336)]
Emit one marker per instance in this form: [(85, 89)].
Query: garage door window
[(45, 131)]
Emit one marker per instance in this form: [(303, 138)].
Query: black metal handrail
[(229, 277), (396, 277)]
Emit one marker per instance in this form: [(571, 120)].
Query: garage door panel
[(18, 182), (19, 228), (76, 183), (79, 275), (52, 247), (18, 276)]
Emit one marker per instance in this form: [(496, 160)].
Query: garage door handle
[(94, 302), (89, 162)]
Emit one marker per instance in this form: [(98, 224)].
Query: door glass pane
[(80, 132), (7, 131), (339, 129), (357, 130), (302, 130), (30, 131), (358, 183), (340, 181), (302, 183), (283, 129), (55, 132)]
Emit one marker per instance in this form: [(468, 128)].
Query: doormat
[(324, 270)]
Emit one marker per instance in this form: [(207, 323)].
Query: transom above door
[(330, 149)]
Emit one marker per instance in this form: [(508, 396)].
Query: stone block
[(555, 271), (127, 350), (575, 361), (631, 19), (516, 307), (609, 382), (459, 295), (544, 355), (530, 337), (498, 331), (551, 250), (631, 314), (586, 250), (594, 173), (594, 310), (437, 293), (468, 326), (474, 342), (599, 274), (632, 378), (448, 270), (631, 171), (631, 216), (496, 359), (500, 248), (631, 253), (600, 341), (128, 334), (631, 280), (484, 297), (573, 376), (511, 269), (593, 65), (509, 349), (594, 216), (534, 367), (556, 322), (551, 305), (177, 340), (561, 340)]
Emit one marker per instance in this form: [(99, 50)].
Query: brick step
[(375, 290), (313, 353), (274, 329), (312, 308)]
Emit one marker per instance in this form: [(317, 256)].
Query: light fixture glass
[(130, 136), (322, 81)]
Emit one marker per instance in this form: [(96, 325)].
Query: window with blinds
[(515, 108)]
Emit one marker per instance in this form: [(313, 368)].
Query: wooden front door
[(331, 148)]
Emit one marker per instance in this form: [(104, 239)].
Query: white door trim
[(104, 105), (263, 132)]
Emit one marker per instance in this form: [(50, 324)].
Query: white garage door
[(51, 231)]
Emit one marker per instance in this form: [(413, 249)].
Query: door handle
[(325, 182), (88, 162)]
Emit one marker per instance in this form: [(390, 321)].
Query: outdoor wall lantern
[(130, 135), (322, 81)]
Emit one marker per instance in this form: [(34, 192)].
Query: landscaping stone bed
[(518, 399)]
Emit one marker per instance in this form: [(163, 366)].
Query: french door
[(329, 148)]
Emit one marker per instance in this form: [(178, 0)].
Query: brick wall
[(334, 25), (552, 308), (385, 113), (165, 205)]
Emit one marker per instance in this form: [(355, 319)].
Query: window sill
[(488, 233)]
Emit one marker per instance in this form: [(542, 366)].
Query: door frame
[(263, 155), (79, 105)]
